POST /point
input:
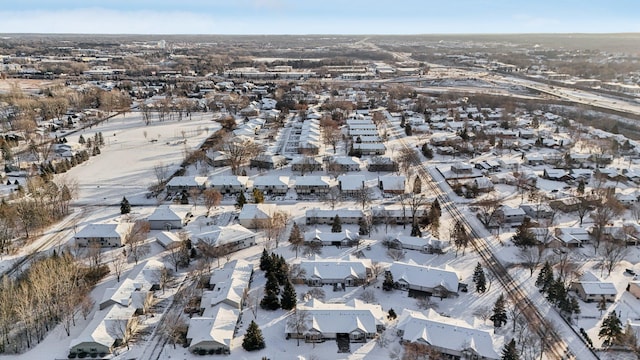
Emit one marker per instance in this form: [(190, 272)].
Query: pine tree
[(611, 329), (545, 277), (510, 351), (392, 314), (253, 339), (258, 196), (415, 230), (479, 279), (125, 207), (288, 298), (295, 238), (417, 185), (240, 201), (270, 301), (524, 237), (387, 284), (580, 189), (363, 228), (499, 316), (280, 268), (265, 261), (81, 140), (336, 225)]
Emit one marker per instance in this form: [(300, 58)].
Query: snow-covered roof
[(229, 284), (228, 180), (447, 333), (257, 211), (328, 213), (104, 230), (313, 180), (335, 268), (424, 276), (598, 287), (106, 327), (167, 238), (354, 315), (351, 182), (164, 213), (393, 182), (271, 180), (415, 241), (220, 235), (187, 181), (218, 328)]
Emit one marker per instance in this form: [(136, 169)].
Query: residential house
[(164, 218), (453, 338), (218, 159), (634, 288), (394, 214), (349, 272), (167, 239), (590, 291), (427, 244), (326, 216), (511, 216), (104, 333), (355, 320), (345, 163), (228, 184), (105, 235), (268, 161), (557, 175), (379, 163), (351, 185), (229, 285), (368, 149), (392, 184), (341, 239), (272, 184), (254, 216), (571, 236), (234, 237), (312, 185), (213, 334), (483, 184), (424, 280), (538, 211), (306, 164), (178, 184)]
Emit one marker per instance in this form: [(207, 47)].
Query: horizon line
[(322, 34)]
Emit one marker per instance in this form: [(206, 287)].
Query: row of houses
[(381, 214)]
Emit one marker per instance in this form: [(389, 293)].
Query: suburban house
[(105, 235), (538, 211), (136, 290), (272, 184), (256, 216), (355, 321), (351, 185), (453, 338), (341, 239), (228, 184), (571, 236), (634, 288), (379, 163), (394, 214), (369, 148), (427, 244), (268, 161), (590, 291), (213, 333), (306, 164), (511, 216), (229, 285), (104, 333), (350, 272), (218, 159), (179, 184), (392, 184), (164, 218), (167, 239), (234, 236), (345, 163), (326, 216), (307, 185), (424, 280)]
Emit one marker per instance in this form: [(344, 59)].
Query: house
[(167, 239), (105, 235), (538, 211), (341, 239), (213, 334), (379, 163), (218, 159), (590, 291), (424, 280), (306, 164), (229, 285), (483, 184), (178, 184), (634, 288), (234, 237), (351, 185), (534, 159), (427, 244), (311, 184), (349, 272), (571, 236), (392, 184), (511, 216), (461, 168), (326, 216), (164, 218), (394, 214), (272, 184), (345, 163), (254, 216), (228, 184), (268, 161), (355, 320), (557, 175), (453, 338), (104, 333), (369, 148), (127, 293)]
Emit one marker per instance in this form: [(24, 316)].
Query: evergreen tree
[(545, 277), (479, 279), (387, 284), (392, 314), (295, 238), (363, 228), (240, 201), (81, 140), (580, 189), (417, 185), (336, 225), (510, 351), (265, 261), (415, 230), (524, 237), (125, 207), (288, 298), (611, 329), (408, 130), (280, 268), (253, 339), (499, 316), (258, 196), (270, 301)]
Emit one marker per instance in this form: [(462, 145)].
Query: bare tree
[(125, 329), (531, 256), (212, 198), (239, 152), (314, 293), (135, 238), (364, 196), (276, 225), (395, 254), (174, 328), (312, 248), (333, 197), (299, 321), (368, 296), (161, 172), (118, 264), (488, 210), (483, 313), (608, 208), (612, 253)]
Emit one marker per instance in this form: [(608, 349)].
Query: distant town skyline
[(319, 17)]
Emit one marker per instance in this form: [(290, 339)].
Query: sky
[(318, 16)]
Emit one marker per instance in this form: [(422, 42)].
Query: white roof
[(419, 241), (424, 276), (343, 213), (217, 328), (167, 238), (393, 182), (230, 283), (447, 333), (316, 234), (313, 180), (271, 180), (346, 160), (228, 180), (335, 268), (187, 181), (104, 230), (257, 211), (220, 235), (164, 213), (105, 328), (354, 315), (352, 182), (598, 288)]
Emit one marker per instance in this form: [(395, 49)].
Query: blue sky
[(318, 17)]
